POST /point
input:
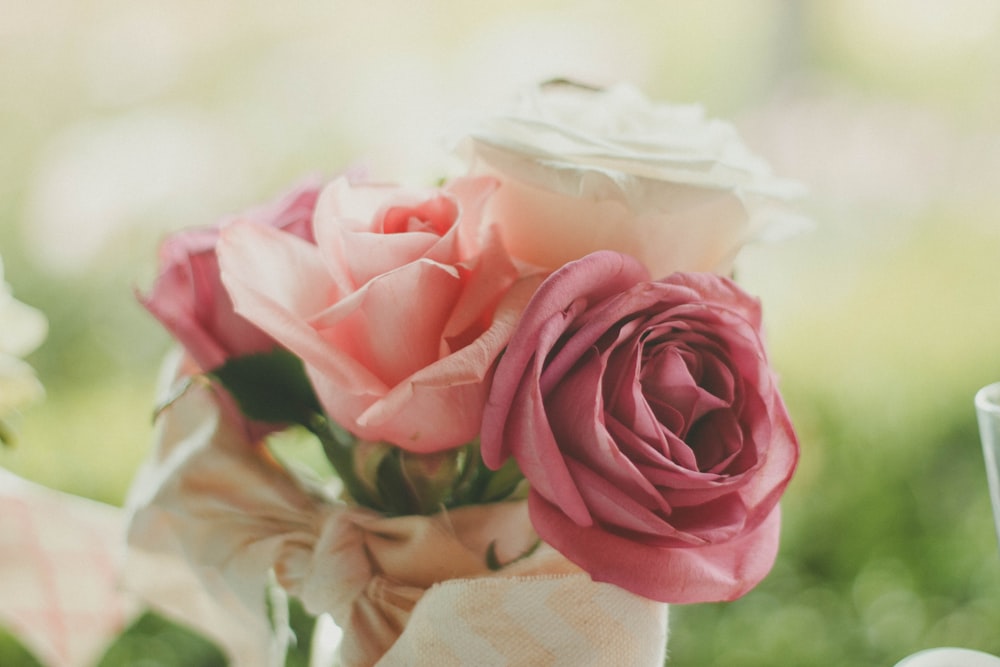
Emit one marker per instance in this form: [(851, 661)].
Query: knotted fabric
[(217, 525)]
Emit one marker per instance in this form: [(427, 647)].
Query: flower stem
[(338, 445)]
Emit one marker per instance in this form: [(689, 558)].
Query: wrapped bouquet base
[(218, 528)]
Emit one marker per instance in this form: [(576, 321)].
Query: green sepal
[(270, 387), (430, 478), (502, 483), (367, 459), (393, 491), (478, 484)]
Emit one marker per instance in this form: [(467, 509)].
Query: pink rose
[(188, 297), (398, 312), (649, 425)]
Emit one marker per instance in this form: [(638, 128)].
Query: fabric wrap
[(215, 522), (60, 556)]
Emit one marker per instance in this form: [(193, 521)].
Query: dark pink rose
[(398, 311), (188, 297), (649, 425)]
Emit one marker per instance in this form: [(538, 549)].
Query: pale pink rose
[(584, 170), (398, 311), (188, 297), (649, 425)]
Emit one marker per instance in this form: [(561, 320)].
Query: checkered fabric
[(59, 562)]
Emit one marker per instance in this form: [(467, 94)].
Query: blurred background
[(123, 120)]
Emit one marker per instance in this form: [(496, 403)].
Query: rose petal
[(188, 297), (575, 411), (410, 414), (528, 338), (263, 271), (369, 330), (487, 281), (660, 405), (353, 251), (675, 575)]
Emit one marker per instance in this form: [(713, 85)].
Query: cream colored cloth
[(544, 621), (59, 563), (214, 517)]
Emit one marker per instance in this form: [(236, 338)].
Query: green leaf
[(270, 387), (503, 482), (303, 626), (155, 640)]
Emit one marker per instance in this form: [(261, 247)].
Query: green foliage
[(270, 387), (882, 555), (302, 625), (13, 653), (153, 640)]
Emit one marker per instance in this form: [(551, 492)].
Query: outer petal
[(440, 406), (189, 300), (399, 324), (188, 297), (596, 276), (684, 228), (587, 170), (353, 250), (678, 575), (278, 282), (366, 325), (635, 488)]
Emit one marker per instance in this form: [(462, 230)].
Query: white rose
[(22, 329), (583, 170)]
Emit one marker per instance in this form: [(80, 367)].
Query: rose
[(585, 170), (649, 426), (398, 312), (188, 297)]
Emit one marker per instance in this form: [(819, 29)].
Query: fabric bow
[(215, 522)]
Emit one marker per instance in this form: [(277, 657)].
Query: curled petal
[(711, 573), (649, 425)]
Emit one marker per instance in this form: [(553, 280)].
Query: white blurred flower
[(22, 329), (585, 169)]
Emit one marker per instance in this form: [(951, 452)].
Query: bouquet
[(547, 409)]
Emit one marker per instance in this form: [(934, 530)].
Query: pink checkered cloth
[(59, 563)]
